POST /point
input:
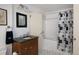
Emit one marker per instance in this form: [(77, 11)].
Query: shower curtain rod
[(54, 12)]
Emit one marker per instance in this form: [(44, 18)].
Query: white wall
[(19, 31), (36, 24), (3, 28), (76, 29)]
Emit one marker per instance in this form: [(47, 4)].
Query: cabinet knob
[(25, 48), (30, 47)]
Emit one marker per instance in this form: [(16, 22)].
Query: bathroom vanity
[(25, 46)]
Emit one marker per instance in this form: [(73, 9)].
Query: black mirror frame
[(17, 19)]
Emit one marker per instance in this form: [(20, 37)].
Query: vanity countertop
[(21, 39)]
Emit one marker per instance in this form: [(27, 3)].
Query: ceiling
[(51, 7)]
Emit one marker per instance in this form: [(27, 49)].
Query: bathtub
[(49, 47)]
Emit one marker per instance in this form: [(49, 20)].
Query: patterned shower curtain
[(65, 31)]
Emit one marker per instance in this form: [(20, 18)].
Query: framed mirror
[(21, 20)]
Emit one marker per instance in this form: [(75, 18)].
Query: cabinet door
[(24, 48), (76, 30), (33, 47), (16, 47)]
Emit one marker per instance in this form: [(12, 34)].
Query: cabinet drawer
[(32, 42), (29, 51)]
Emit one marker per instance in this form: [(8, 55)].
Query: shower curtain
[(65, 31)]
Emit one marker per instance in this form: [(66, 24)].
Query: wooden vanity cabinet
[(27, 47)]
